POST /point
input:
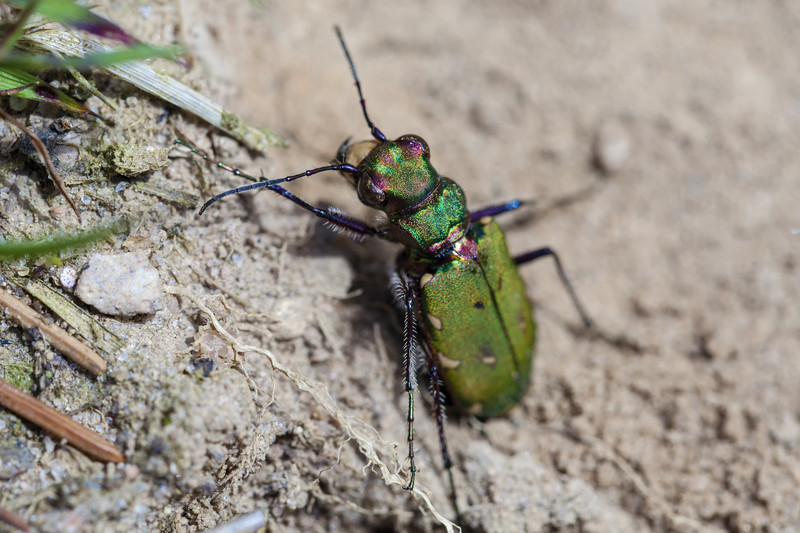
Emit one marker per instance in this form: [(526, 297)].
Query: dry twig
[(60, 339), (13, 520), (58, 424)]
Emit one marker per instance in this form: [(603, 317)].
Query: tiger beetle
[(465, 306)]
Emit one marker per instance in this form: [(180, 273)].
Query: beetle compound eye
[(369, 193), (415, 144)]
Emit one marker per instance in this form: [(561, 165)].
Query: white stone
[(124, 284)]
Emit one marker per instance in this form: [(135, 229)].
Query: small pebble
[(612, 147), (60, 212), (68, 277), (67, 155), (124, 284), (18, 104)]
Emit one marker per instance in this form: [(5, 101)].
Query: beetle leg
[(407, 291), (620, 341), (545, 252), (493, 210), (334, 218), (438, 402), (540, 207), (409, 334)]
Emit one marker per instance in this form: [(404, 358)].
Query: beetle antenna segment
[(219, 164), (372, 127), (230, 192)]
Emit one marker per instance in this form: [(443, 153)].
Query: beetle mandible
[(465, 306)]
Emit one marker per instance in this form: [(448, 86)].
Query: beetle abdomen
[(481, 326)]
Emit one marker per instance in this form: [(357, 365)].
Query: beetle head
[(392, 176)]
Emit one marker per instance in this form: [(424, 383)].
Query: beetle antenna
[(373, 128), (200, 153), (269, 184), (260, 183)]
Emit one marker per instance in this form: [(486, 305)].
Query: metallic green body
[(480, 323), (472, 304)]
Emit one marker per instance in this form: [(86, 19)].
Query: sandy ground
[(689, 246)]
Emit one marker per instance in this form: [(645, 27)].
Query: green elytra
[(465, 305), (483, 339)]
